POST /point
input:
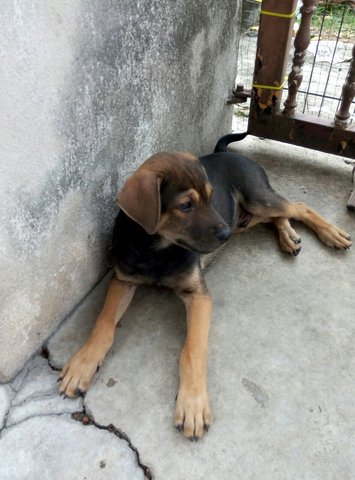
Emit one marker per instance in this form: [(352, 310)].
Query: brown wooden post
[(351, 202), (343, 114), (275, 33), (302, 41)]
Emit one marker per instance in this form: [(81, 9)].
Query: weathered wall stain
[(89, 90)]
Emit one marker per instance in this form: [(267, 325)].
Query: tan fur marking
[(262, 211), (290, 241), (329, 234), (78, 372), (254, 221), (193, 411), (209, 190), (189, 195)]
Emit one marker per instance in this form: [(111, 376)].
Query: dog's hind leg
[(77, 374), (290, 242), (329, 234)]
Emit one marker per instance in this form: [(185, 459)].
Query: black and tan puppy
[(175, 209)]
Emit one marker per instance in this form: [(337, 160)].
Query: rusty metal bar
[(351, 202), (301, 44), (343, 114), (239, 95), (275, 33), (309, 132)]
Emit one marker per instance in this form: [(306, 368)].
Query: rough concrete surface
[(41, 438), (281, 360), (89, 90)]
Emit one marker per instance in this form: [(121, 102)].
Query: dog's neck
[(162, 243)]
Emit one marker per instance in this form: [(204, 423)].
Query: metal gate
[(294, 121)]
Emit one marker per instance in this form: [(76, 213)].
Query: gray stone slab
[(39, 439), (4, 403), (35, 393), (57, 448), (282, 349)]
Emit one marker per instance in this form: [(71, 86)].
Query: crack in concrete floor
[(81, 416), (86, 419)]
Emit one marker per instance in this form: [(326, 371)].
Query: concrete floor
[(281, 363)]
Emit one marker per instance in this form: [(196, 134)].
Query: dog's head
[(170, 195)]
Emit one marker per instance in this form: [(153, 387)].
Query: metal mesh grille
[(327, 60)]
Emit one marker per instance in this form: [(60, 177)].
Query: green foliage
[(329, 18)]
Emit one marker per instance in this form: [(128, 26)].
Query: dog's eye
[(186, 207)]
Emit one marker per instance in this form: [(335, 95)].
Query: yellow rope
[(268, 87), (280, 15)]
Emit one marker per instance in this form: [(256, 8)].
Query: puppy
[(174, 211)]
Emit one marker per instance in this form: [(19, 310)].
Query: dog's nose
[(223, 233)]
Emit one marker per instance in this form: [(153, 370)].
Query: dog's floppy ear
[(140, 199)]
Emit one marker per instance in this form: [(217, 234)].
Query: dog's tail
[(223, 142)]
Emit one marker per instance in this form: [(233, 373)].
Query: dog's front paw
[(77, 374), (193, 414)]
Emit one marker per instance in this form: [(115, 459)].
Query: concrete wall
[(88, 90)]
